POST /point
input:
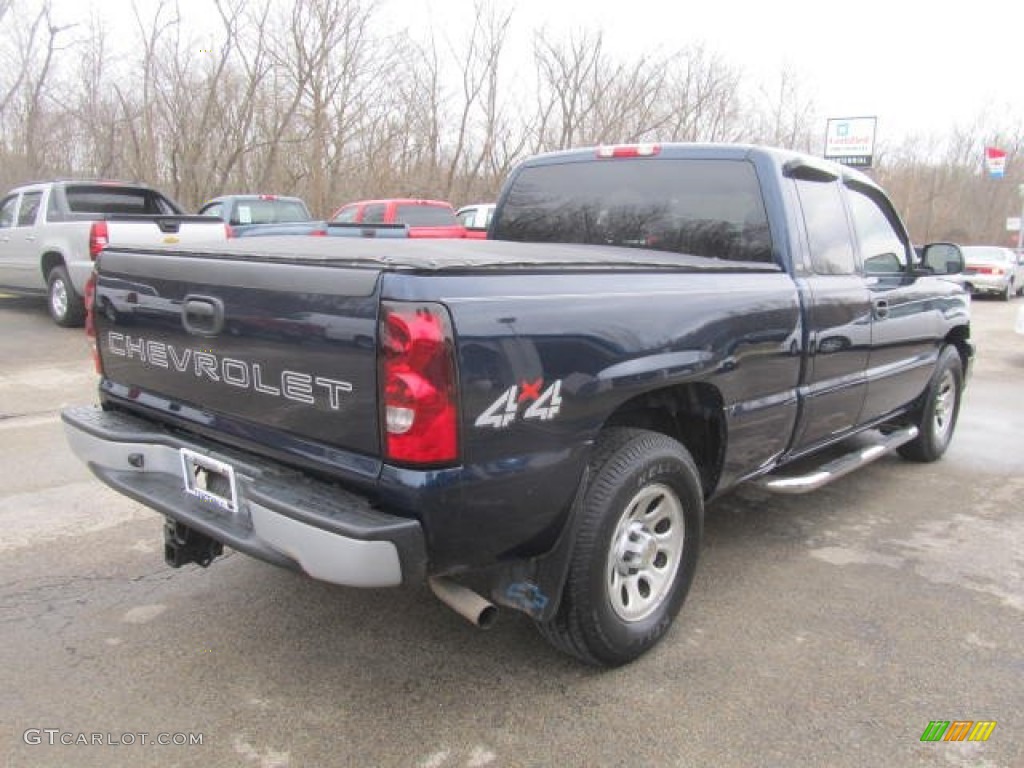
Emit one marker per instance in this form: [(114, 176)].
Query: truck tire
[(936, 418), (636, 549), (66, 307)]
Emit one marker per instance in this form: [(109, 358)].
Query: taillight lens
[(418, 384), (99, 238), (228, 231), (318, 233)]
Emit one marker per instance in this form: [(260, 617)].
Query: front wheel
[(636, 550), (66, 307), (937, 416)]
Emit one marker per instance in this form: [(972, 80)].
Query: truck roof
[(781, 158)]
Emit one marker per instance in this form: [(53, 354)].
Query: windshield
[(702, 207)]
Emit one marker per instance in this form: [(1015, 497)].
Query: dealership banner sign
[(995, 162), (851, 140)]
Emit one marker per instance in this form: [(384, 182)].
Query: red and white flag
[(995, 162)]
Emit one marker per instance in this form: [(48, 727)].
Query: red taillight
[(988, 270), (418, 397), (268, 197), (98, 238), (229, 231), (318, 233), (628, 150)]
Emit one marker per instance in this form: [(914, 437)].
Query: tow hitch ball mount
[(184, 545)]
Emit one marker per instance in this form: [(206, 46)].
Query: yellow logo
[(171, 239)]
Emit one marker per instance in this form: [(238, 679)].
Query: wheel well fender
[(50, 260), (692, 414), (959, 337)]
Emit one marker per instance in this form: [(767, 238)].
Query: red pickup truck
[(424, 218)]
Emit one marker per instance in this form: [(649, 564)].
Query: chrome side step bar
[(837, 468)]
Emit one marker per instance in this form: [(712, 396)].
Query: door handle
[(881, 309)]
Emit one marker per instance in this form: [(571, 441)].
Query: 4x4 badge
[(543, 405)]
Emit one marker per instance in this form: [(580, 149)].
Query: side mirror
[(943, 258)]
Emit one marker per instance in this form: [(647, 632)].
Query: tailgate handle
[(169, 226), (202, 315)]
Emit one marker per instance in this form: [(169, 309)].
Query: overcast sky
[(920, 68)]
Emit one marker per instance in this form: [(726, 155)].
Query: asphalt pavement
[(822, 630)]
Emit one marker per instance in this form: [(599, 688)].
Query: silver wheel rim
[(945, 406), (645, 552), (59, 298)]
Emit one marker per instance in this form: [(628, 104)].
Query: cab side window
[(828, 229), (347, 215), (7, 210), (374, 214), (29, 208), (881, 247), (213, 209)]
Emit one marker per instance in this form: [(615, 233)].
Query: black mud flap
[(184, 545), (534, 585)]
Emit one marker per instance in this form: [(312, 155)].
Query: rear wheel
[(1007, 292), (66, 307), (636, 551), (937, 417)]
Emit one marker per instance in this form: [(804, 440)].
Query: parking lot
[(822, 630)]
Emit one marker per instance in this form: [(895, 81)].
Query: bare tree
[(313, 98), (26, 89), (782, 113), (702, 97)]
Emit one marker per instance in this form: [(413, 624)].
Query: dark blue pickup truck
[(536, 420)]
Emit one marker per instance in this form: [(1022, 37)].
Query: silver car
[(991, 269)]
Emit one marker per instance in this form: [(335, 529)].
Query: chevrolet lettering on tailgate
[(291, 385)]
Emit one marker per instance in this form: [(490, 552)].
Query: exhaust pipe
[(464, 601)]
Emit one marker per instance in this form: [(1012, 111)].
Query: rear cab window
[(703, 207), (110, 199), (419, 215), (257, 211)]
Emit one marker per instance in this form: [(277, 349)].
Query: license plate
[(210, 480)]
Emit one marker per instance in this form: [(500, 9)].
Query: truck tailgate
[(145, 231), (277, 354)]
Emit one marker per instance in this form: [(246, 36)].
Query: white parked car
[(991, 269), (476, 218), (52, 232)]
